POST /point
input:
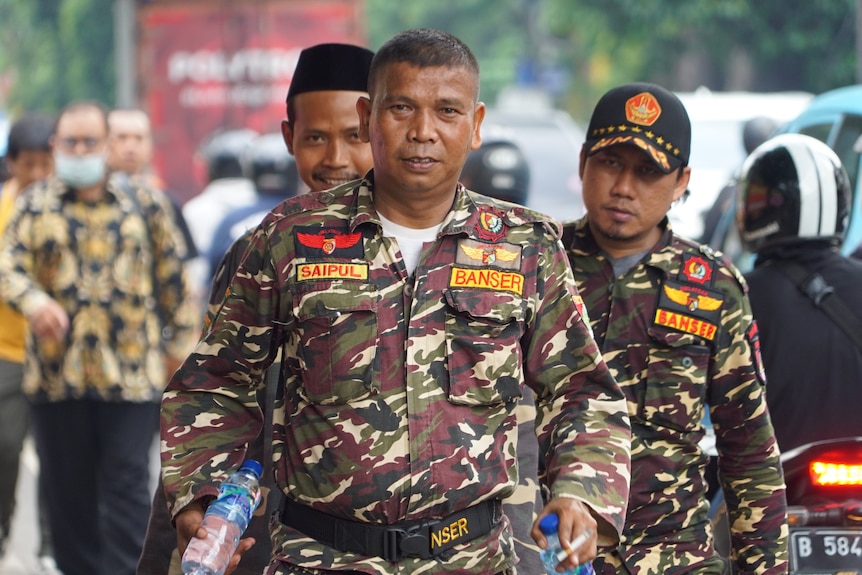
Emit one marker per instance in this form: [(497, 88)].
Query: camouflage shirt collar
[(463, 217), (657, 257)]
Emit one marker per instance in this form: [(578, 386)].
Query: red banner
[(205, 66)]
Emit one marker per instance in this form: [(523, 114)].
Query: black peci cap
[(644, 115), (331, 67)]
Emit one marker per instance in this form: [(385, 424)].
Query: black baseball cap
[(644, 115), (331, 67)]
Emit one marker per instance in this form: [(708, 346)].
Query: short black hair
[(423, 48), (32, 131)]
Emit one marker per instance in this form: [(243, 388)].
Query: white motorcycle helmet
[(793, 188)]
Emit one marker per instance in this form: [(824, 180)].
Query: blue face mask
[(80, 171)]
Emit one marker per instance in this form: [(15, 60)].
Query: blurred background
[(197, 66)]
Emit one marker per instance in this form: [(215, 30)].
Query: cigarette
[(573, 546)]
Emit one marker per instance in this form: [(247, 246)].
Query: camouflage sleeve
[(210, 410), (583, 426), (176, 305), (749, 465), (223, 274)]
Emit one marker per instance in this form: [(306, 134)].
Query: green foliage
[(54, 51)]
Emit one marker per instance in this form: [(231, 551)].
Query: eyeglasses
[(90, 143)]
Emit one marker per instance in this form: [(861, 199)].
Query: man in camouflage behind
[(674, 324), (410, 312)]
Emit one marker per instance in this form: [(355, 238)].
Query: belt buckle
[(412, 541)]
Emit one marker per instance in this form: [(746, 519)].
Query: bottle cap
[(253, 466), (549, 524)]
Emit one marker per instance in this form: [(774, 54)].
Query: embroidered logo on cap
[(643, 109)]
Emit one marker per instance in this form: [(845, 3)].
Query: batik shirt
[(115, 266), (399, 391), (676, 331)]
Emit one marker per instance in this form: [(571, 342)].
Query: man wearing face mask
[(96, 268)]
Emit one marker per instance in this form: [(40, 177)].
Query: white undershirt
[(409, 240)]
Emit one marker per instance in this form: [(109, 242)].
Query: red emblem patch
[(491, 226), (328, 240), (696, 270), (754, 340), (643, 109)]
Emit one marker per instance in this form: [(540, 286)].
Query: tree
[(54, 52)]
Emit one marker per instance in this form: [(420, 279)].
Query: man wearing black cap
[(674, 325), (321, 131)]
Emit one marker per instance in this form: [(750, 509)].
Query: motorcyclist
[(793, 208), (498, 169), (268, 165), (226, 190)]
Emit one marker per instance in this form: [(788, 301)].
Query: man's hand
[(575, 519), (189, 525), (49, 321)]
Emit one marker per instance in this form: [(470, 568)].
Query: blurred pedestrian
[(674, 325), (417, 312), (272, 170), (794, 205), (227, 189), (28, 160), (130, 151), (98, 275)]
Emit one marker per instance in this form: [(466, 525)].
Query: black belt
[(393, 542)]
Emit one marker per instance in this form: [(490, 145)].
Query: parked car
[(833, 117), (552, 141)]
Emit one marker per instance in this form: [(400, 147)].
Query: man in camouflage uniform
[(674, 325), (410, 312)]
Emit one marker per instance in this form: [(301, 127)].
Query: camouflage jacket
[(677, 332), (115, 266), (399, 392)]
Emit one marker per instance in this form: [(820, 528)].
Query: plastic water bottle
[(226, 519), (554, 553)]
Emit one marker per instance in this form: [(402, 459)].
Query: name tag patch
[(331, 271), (449, 533), (487, 278), (685, 323)]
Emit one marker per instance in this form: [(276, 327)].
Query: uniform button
[(496, 332), (325, 198), (686, 362), (611, 287), (408, 290)]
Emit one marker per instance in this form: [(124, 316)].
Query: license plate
[(825, 550)]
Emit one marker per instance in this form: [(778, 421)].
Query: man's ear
[(363, 108), (681, 188), (287, 134), (478, 116)]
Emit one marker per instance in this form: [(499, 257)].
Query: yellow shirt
[(13, 325)]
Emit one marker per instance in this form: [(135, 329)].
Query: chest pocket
[(337, 327), (677, 376), (483, 332)]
